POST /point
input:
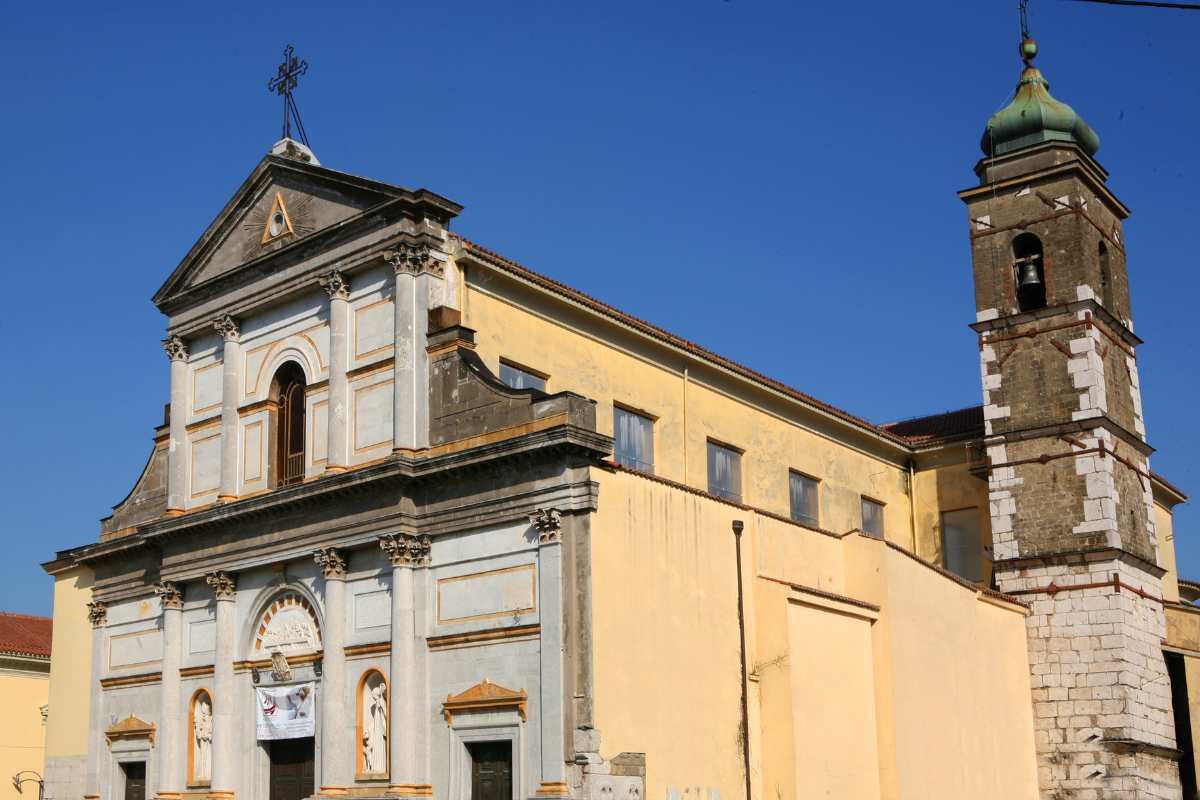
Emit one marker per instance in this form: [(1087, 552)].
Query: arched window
[(1029, 272), (373, 725), (1106, 284), (200, 734), (287, 390)]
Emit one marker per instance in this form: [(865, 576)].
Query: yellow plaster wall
[(1164, 531), (583, 357), (947, 668), (22, 734), (947, 488), (70, 665)]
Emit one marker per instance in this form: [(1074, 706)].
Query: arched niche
[(373, 728), (200, 739)]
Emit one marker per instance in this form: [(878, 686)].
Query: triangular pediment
[(280, 205), (485, 696)]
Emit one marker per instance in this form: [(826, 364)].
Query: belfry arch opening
[(1029, 272), (287, 391)]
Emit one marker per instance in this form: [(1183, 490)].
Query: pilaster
[(552, 759), (177, 453), (418, 273), (338, 423), (98, 616), (231, 379), (224, 768), (337, 753), (409, 761), (170, 726)]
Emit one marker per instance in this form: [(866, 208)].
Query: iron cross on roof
[(283, 84)]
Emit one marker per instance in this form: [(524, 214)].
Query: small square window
[(724, 472), (872, 517), (805, 498), (521, 378), (634, 435), (962, 544)]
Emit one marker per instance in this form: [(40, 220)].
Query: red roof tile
[(25, 635), (966, 423)]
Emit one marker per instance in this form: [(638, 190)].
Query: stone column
[(177, 448), (98, 615), (416, 272), (224, 767), (407, 680), (231, 378), (170, 727), (337, 741), (337, 453), (551, 715)]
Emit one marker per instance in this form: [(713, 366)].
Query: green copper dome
[(1034, 116)]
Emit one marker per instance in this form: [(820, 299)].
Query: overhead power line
[(1144, 4)]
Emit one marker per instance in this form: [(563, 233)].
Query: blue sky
[(774, 180)]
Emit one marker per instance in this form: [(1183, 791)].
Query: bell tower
[(1068, 477)]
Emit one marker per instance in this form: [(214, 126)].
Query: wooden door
[(291, 769), (135, 780), (491, 770)]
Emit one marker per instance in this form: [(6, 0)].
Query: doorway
[(491, 770), (135, 780), (291, 768)]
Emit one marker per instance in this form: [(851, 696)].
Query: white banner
[(286, 712)]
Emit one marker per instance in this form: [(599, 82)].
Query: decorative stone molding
[(406, 550), (280, 669), (548, 522), (176, 348), (332, 563), (413, 258), (223, 584), (131, 728), (228, 327), (97, 614), (485, 696), (335, 285), (170, 596)]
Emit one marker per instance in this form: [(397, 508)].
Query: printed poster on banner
[(286, 712)]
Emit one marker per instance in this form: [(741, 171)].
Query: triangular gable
[(314, 198)]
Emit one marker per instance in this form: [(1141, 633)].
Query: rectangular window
[(872, 517), (962, 544), (634, 434), (724, 472), (805, 499), (520, 377)]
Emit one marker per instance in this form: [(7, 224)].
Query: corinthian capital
[(97, 614), (335, 285), (548, 523), (170, 596), (223, 584), (412, 258), (406, 550), (228, 327), (176, 348), (332, 563)]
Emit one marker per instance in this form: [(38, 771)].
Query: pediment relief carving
[(131, 728), (288, 626)]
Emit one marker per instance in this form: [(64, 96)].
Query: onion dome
[(1034, 116)]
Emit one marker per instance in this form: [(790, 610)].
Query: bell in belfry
[(1030, 280)]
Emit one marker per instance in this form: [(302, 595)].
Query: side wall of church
[(857, 654)]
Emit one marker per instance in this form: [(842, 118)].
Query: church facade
[(422, 522)]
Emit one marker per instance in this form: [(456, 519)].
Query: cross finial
[(283, 84)]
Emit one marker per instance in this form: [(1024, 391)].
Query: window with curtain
[(872, 517), (519, 378), (804, 497), (724, 472), (962, 544), (634, 434)]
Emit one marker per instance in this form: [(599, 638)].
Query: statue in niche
[(202, 724), (375, 726)]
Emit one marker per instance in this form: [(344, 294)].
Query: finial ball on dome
[(1028, 49)]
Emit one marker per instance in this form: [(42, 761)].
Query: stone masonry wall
[(1101, 695)]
